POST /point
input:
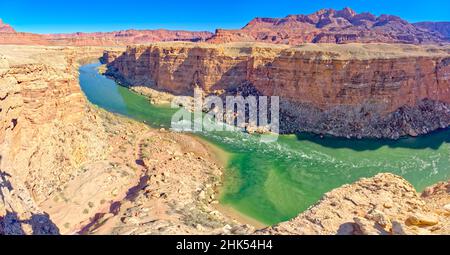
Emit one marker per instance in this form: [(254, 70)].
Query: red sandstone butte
[(332, 26), (5, 28)]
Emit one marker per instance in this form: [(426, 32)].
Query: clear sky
[(51, 16)]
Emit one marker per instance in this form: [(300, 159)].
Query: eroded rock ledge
[(47, 133), (354, 90), (382, 205)]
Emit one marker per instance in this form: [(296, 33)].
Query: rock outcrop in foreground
[(46, 134), (385, 204), (332, 26), (352, 90)]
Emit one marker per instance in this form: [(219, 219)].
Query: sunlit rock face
[(330, 26), (385, 204), (442, 28), (351, 90), (117, 38), (46, 132)]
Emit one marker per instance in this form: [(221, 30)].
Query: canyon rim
[(86, 145)]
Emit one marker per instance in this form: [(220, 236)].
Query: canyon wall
[(66, 164), (442, 28), (334, 26), (41, 106), (117, 38), (351, 90), (63, 162), (48, 136), (323, 26)]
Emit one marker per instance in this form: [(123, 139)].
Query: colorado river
[(273, 182)]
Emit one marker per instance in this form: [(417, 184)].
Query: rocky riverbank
[(172, 198), (66, 164), (385, 204), (68, 167), (354, 90)]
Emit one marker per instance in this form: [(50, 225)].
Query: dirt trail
[(140, 182), (169, 198)]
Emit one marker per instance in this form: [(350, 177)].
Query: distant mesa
[(5, 28), (333, 26), (117, 38), (323, 26), (442, 28)]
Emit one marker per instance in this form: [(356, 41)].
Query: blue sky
[(51, 16)]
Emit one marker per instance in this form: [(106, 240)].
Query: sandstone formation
[(5, 28), (442, 28), (352, 90), (330, 26), (323, 26), (126, 37), (64, 163), (67, 167), (385, 204), (117, 38), (46, 131)]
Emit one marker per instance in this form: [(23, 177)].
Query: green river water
[(273, 182)]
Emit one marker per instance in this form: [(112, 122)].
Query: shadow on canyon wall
[(40, 224), (433, 140), (234, 80), (188, 74), (11, 224)]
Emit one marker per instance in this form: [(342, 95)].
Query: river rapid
[(273, 182)]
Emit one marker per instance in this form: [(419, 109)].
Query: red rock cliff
[(330, 26), (45, 126), (346, 90), (443, 28), (117, 38)]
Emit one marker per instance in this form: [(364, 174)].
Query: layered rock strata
[(117, 38), (352, 90), (333, 26), (65, 163), (442, 28), (68, 167), (46, 131), (323, 26)]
